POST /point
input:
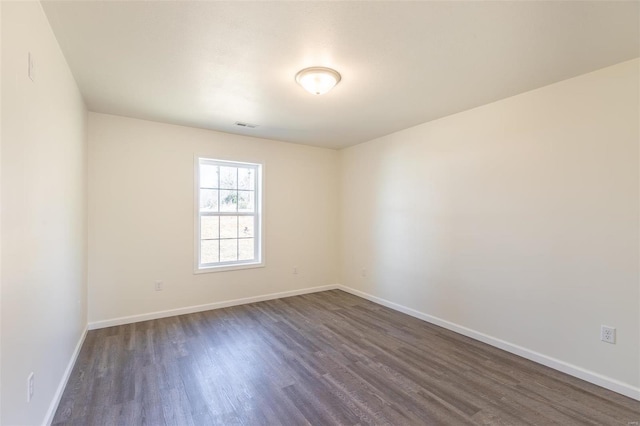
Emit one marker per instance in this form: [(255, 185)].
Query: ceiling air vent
[(247, 125)]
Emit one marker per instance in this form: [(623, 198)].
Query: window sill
[(210, 269)]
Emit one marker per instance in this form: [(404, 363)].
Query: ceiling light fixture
[(318, 80)]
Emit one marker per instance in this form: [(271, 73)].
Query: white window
[(228, 222)]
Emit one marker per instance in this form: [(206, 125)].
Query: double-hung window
[(228, 223)]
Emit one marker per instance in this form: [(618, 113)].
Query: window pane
[(208, 176), (209, 251), (209, 200), (245, 201), (229, 198), (208, 227), (245, 249), (245, 226), (228, 177), (246, 178), (228, 201), (228, 250), (228, 226)]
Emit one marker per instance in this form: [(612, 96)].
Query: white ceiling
[(210, 64)]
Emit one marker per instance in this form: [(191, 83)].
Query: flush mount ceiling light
[(318, 80)]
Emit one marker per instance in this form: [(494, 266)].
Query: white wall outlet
[(295, 270), (158, 286), (30, 386), (363, 272), (31, 70), (608, 334)]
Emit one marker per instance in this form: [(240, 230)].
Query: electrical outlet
[(295, 270), (159, 286), (30, 378), (31, 71), (363, 272), (608, 334)]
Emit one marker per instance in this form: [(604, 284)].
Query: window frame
[(258, 262)]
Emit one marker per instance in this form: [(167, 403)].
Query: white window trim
[(197, 268)]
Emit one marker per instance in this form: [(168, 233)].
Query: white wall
[(43, 174), (518, 219), (0, 216), (141, 217)]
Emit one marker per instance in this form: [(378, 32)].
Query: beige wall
[(141, 217), (0, 218), (518, 220), (43, 175)]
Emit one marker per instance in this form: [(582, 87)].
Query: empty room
[(319, 213)]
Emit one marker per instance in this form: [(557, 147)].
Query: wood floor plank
[(326, 358)]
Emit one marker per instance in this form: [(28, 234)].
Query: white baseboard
[(206, 307), (65, 378), (556, 364)]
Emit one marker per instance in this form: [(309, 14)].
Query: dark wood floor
[(322, 359)]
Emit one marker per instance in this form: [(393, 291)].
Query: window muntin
[(228, 231)]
